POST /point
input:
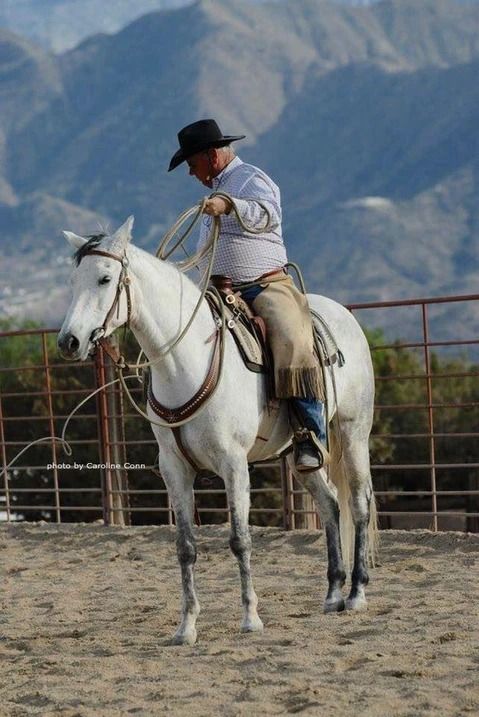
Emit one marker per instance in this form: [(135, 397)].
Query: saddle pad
[(330, 351)]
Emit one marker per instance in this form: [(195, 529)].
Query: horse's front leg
[(179, 479), (237, 485)]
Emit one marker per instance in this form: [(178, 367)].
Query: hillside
[(366, 117), (58, 25)]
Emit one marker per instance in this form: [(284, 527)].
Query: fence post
[(430, 412), (298, 505), (287, 484), (51, 423), (472, 521), (119, 476), (114, 480), (102, 412), (4, 464)]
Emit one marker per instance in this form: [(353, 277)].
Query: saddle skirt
[(248, 331)]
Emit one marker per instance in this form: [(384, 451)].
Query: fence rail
[(425, 464)]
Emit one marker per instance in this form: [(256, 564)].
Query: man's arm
[(256, 204)]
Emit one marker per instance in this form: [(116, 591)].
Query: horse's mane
[(93, 240)]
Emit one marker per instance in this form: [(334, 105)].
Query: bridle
[(123, 284)]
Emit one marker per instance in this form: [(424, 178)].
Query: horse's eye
[(105, 280)]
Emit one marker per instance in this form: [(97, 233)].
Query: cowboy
[(255, 263)]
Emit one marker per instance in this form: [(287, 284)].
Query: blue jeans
[(311, 412), (250, 294)]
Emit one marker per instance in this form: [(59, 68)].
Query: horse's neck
[(163, 303)]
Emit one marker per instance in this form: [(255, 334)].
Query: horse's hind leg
[(237, 485), (356, 457), (179, 479), (325, 496)]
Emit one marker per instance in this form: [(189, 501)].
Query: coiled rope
[(163, 252)]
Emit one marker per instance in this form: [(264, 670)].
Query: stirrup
[(309, 453)]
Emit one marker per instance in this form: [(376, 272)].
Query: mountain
[(403, 193), (29, 79), (365, 116), (59, 25)]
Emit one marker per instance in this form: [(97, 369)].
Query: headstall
[(123, 283)]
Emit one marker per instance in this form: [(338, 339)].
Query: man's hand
[(216, 206)]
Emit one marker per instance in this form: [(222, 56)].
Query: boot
[(307, 420)]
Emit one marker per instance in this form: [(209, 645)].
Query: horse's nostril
[(68, 345), (73, 343)]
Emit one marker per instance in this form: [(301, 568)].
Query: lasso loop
[(67, 449)]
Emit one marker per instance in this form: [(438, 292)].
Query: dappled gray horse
[(222, 436)]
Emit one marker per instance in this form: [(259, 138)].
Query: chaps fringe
[(299, 383)]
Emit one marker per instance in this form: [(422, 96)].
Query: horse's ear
[(75, 241), (124, 232)]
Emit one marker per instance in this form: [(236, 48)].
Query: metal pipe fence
[(446, 491), (425, 461)]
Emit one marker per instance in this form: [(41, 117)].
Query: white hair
[(227, 151)]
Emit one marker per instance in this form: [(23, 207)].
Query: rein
[(175, 418)]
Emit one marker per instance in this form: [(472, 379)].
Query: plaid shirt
[(240, 255)]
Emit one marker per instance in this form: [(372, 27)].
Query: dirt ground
[(87, 613)]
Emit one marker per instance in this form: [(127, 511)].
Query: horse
[(223, 437)]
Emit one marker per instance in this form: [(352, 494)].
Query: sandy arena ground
[(87, 611)]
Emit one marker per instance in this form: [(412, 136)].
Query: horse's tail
[(338, 475), (373, 532)]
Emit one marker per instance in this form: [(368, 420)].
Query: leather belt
[(282, 270)]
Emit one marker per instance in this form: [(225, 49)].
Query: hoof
[(184, 638), (252, 625), (333, 606), (357, 603), (356, 599)]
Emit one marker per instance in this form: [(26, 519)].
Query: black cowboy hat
[(197, 137)]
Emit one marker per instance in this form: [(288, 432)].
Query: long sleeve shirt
[(239, 254)]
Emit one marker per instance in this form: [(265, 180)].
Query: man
[(257, 261)]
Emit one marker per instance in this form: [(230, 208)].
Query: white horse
[(223, 437)]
